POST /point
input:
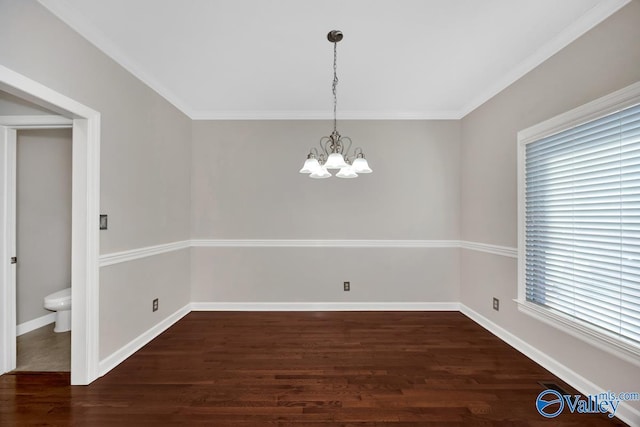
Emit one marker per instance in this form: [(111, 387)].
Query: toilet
[(60, 302)]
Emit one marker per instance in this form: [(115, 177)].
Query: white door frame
[(8, 191), (85, 213), (8, 247)]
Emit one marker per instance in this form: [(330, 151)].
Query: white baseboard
[(34, 324), (136, 344), (322, 243), (625, 412), (325, 306)]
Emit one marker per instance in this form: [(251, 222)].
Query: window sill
[(583, 331)]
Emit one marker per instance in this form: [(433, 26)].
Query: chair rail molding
[(147, 251)]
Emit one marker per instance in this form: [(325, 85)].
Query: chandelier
[(335, 149)]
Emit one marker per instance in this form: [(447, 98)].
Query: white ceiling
[(270, 59)]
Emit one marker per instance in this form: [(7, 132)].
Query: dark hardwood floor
[(303, 369)]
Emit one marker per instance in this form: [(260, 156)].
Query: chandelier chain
[(334, 86), (335, 150)]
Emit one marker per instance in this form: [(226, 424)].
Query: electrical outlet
[(155, 304), (496, 304), (347, 286)]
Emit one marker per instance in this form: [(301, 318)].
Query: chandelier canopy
[(335, 150)]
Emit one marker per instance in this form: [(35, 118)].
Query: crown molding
[(593, 17), (77, 22), (326, 115), (80, 25)]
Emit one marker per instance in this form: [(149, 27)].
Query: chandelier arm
[(358, 151), (346, 152), (328, 146), (323, 144)]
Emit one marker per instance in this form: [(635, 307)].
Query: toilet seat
[(58, 299)]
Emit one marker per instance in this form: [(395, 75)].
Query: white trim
[(490, 249), (608, 104), (119, 356), (625, 412), (147, 251), (316, 243), (133, 254), (582, 331), (597, 108), (8, 349), (76, 21), (36, 122), (325, 306), (325, 115), (85, 243), (34, 324), (137, 343), (30, 90), (85, 212), (593, 17)]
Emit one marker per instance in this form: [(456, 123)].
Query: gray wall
[(246, 185), (43, 218), (316, 275), (426, 185), (11, 105), (246, 182), (605, 59), (145, 157), (124, 304)]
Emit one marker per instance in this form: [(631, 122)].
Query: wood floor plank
[(302, 369)]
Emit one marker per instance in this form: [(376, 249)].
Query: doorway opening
[(85, 124), (43, 249)]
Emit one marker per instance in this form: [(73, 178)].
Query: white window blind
[(582, 224)]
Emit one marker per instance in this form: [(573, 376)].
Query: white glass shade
[(320, 173), (335, 161), (360, 165), (347, 172), (310, 166)]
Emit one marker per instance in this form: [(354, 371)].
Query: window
[(579, 218)]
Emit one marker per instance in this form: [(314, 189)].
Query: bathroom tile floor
[(44, 350)]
